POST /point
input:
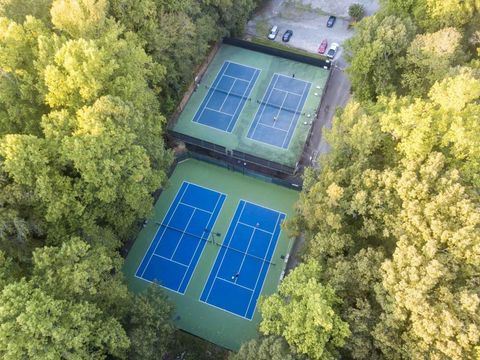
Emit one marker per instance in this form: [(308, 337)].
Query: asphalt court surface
[(237, 276), (279, 111), (181, 237), (226, 97)]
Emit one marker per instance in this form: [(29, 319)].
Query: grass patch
[(276, 45), (262, 27)]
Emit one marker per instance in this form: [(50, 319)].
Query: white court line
[(293, 118), (228, 94), (243, 97), (220, 194), (235, 284), (262, 206), (158, 229), (254, 227), (183, 234), (273, 253), (165, 229), (196, 208), (218, 111), (227, 311), (272, 127), (230, 239), (173, 261), (247, 66), (158, 284), (298, 79), (198, 244), (278, 112), (206, 188), (245, 253), (279, 215), (264, 106), (211, 93), (263, 263)]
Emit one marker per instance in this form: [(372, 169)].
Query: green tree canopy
[(150, 329), (429, 58), (375, 54), (305, 315), (432, 304), (265, 348), (33, 324)]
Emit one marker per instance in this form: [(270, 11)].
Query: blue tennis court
[(237, 276), (181, 237), (227, 95), (279, 111)]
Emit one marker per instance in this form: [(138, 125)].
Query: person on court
[(235, 276)]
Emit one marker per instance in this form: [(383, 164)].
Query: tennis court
[(205, 214), (280, 109), (241, 93), (239, 271), (227, 95), (181, 237)]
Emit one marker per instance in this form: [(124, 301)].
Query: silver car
[(332, 51), (273, 32)]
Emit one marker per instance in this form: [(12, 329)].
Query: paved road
[(336, 95)]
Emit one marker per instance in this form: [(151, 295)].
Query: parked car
[(288, 34), (323, 46), (332, 51), (273, 32), (331, 21)]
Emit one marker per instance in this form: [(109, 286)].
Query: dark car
[(331, 21), (288, 34), (323, 47)]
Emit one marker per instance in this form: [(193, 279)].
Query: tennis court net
[(280, 107), (229, 93), (207, 234), (245, 253), (204, 236)]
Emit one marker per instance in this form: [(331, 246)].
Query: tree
[(34, 324), (18, 10), (305, 315), (264, 348), (101, 126), (356, 11), (447, 122), (374, 54), (433, 15), (355, 279), (77, 271), (79, 18), (431, 301), (150, 329), (21, 86), (429, 59)]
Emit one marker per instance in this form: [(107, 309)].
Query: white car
[(332, 51), (273, 32)]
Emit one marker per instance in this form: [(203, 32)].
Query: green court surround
[(191, 315), (237, 139)]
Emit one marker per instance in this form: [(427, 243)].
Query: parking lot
[(307, 19)]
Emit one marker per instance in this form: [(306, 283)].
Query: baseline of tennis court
[(237, 276), (279, 111), (180, 239), (227, 95)]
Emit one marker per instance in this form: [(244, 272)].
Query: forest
[(391, 219)]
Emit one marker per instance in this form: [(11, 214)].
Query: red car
[(323, 47)]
